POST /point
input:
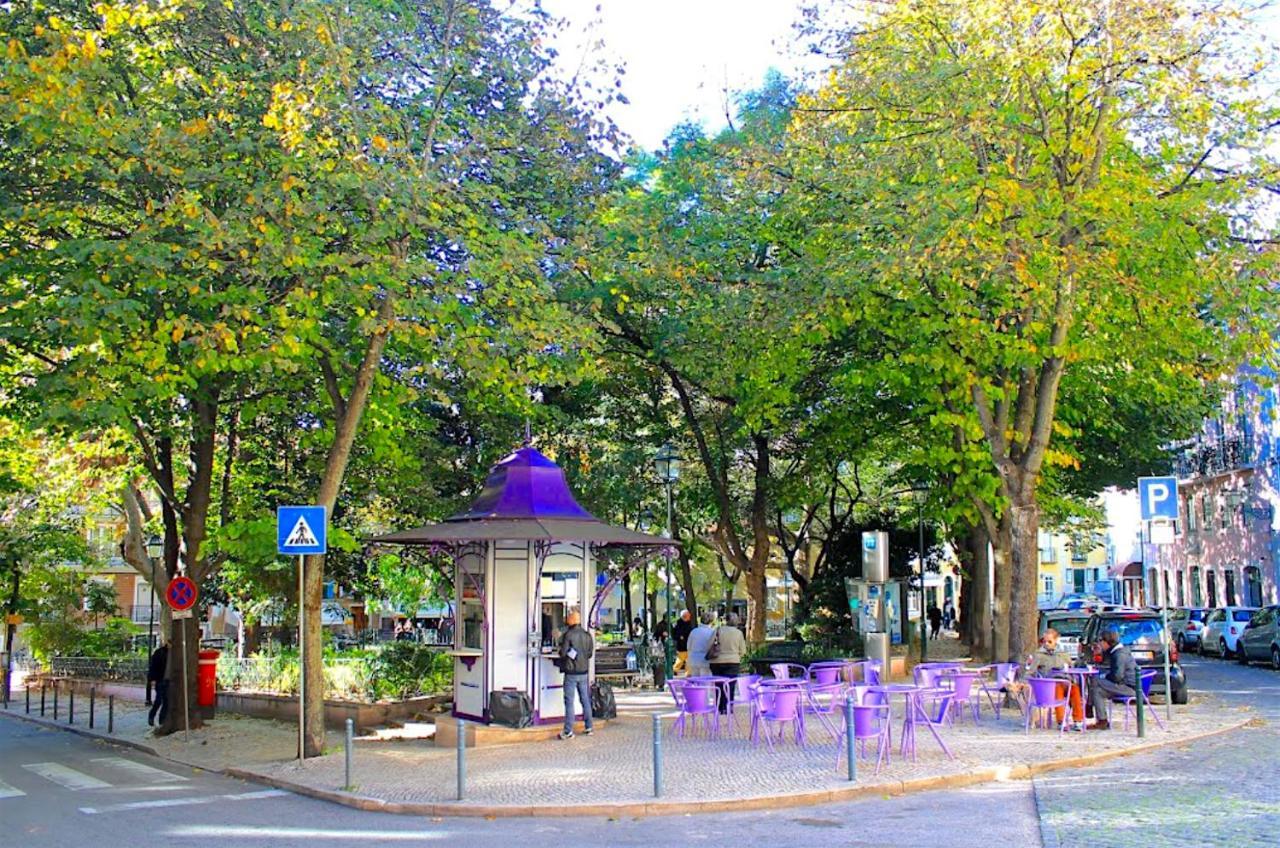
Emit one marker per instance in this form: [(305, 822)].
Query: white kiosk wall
[(470, 684)]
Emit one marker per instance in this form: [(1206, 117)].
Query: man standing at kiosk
[(576, 648)]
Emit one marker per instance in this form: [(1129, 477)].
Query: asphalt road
[(57, 789)]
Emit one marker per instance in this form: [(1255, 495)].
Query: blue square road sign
[(301, 530), (1158, 497)]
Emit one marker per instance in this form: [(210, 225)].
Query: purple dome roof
[(525, 484)]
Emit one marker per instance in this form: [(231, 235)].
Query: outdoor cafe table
[(1083, 673), (912, 697)]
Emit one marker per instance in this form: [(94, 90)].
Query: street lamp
[(155, 550), (667, 463)]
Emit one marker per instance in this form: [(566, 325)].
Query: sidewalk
[(611, 772)]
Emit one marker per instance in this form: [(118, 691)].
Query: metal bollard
[(42, 699), (351, 725), (111, 714), (849, 750), (55, 700), (71, 705), (93, 693), (657, 755), (1138, 707), (462, 759), (28, 690)]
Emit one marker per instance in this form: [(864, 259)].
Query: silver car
[(1261, 638), (1222, 630)]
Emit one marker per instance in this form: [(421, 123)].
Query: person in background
[(157, 667), (728, 647), (935, 621), (637, 628), (684, 626), (948, 615), (576, 648), (1120, 678), (699, 642)]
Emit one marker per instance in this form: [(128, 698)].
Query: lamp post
[(667, 463), (155, 550), (924, 641)]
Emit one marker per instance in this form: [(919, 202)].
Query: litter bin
[(207, 682)]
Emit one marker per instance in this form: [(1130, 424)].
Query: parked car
[(1222, 630), (1142, 631), (1076, 600), (1069, 623), (1261, 638), (1186, 624)]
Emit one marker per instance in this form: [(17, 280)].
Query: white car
[(1222, 629)]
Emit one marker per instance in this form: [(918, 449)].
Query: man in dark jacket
[(157, 667), (681, 635), (1120, 679), (576, 648)]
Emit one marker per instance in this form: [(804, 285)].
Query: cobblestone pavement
[(1219, 791)]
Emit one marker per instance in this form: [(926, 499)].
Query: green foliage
[(110, 640), (408, 669)]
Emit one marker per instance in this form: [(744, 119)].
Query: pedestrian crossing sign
[(301, 530)]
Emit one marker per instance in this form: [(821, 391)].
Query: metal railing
[(1206, 459), (345, 679), (122, 669)]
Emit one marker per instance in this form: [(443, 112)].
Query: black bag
[(603, 704), (510, 708)]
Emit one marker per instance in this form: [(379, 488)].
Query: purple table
[(1083, 674)]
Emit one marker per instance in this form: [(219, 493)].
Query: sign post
[(302, 530), (1158, 498), (182, 595)]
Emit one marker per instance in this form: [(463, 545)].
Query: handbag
[(714, 650)]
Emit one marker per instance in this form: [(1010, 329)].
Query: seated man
[(1120, 679), (1048, 662)]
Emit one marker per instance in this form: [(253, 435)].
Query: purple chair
[(931, 707), (696, 699), (871, 672), (1002, 674), (1146, 677), (963, 695), (926, 676), (744, 694), (870, 721), (824, 674), (1044, 696), (789, 671), (778, 706), (825, 702)]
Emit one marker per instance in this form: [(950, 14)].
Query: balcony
[(1218, 457)]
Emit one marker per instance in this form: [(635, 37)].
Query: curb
[(991, 774)]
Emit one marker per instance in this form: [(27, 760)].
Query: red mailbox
[(207, 679)]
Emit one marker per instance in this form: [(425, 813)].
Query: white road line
[(7, 791), (139, 769), (183, 802), (68, 778)]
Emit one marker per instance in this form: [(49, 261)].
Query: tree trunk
[(183, 633), (1025, 562), (686, 583), (978, 592)]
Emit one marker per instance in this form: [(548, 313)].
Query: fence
[(347, 679), (119, 669)]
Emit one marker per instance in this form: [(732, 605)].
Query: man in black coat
[(157, 668), (680, 633), (1120, 679), (576, 648)]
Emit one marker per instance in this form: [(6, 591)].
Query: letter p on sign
[(1158, 497)]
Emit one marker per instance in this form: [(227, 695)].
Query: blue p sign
[(1158, 497)]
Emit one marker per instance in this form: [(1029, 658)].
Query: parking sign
[(1158, 497)]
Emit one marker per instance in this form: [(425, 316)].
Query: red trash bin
[(207, 679)]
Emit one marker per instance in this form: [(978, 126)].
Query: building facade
[(1227, 543)]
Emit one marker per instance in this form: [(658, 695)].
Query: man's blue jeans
[(579, 684)]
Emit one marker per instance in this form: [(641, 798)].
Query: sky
[(680, 54)]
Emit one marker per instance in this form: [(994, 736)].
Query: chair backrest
[(1147, 677), (788, 671), (940, 699), (871, 672), (926, 677), (746, 688), (699, 697), (868, 721), (1044, 690), (824, 674), (785, 704), (677, 692), (858, 692), (1005, 673), (962, 685)]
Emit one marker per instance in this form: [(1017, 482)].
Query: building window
[(1211, 582), (1207, 515), (1182, 597), (1191, 513), (1196, 596), (1229, 586), (1047, 580)]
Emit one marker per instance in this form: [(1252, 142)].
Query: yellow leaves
[(1060, 459), (380, 143), (195, 126), (15, 50), (290, 182), (178, 332), (323, 35), (150, 207)]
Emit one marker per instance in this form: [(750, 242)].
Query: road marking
[(66, 777), (138, 769), (7, 791), (183, 802)]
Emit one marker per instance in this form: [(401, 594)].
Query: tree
[(1042, 188)]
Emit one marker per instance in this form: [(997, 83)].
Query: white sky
[(680, 54)]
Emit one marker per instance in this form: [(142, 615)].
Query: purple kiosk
[(523, 555)]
